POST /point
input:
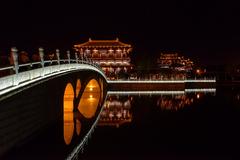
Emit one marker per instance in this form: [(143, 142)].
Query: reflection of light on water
[(198, 96), (238, 97), (131, 98), (68, 126), (90, 98), (87, 107), (116, 111), (174, 103)]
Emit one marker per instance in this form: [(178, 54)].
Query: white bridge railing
[(47, 68)]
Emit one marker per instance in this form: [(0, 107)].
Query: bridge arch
[(90, 98), (48, 93)]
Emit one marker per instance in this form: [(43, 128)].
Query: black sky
[(208, 31)]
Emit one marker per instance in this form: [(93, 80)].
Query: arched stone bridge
[(34, 99)]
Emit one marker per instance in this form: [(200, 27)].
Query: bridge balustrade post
[(15, 63), (41, 54), (82, 59), (58, 56), (76, 57), (15, 59), (68, 55)]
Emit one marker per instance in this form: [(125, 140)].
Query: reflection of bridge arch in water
[(68, 127), (87, 103), (80, 104)]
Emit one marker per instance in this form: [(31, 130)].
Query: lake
[(147, 125), (172, 126)]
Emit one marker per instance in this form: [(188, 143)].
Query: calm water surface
[(179, 126), (142, 126)]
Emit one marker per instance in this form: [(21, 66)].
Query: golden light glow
[(90, 98), (78, 87), (68, 123)]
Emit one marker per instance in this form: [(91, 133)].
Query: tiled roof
[(103, 43)]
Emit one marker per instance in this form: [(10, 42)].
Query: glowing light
[(198, 71), (68, 123), (201, 90), (198, 96), (91, 89), (89, 101)]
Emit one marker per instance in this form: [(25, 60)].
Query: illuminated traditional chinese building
[(115, 112), (172, 60), (111, 55)]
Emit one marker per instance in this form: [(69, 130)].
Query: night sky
[(207, 32)]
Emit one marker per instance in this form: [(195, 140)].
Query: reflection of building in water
[(115, 112), (175, 102)]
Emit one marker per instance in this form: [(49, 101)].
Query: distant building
[(172, 60), (111, 55)]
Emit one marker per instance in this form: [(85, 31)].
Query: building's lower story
[(117, 72)]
